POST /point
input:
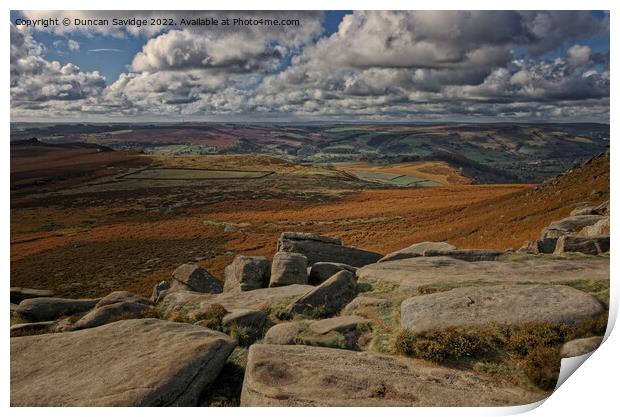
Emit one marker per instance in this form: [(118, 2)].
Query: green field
[(192, 174)]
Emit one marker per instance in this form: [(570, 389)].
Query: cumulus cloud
[(38, 83), (377, 65)]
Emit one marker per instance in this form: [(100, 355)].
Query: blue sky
[(386, 65)]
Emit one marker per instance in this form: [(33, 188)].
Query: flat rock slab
[(278, 375), (580, 347), (568, 225), (50, 308), (19, 294), (502, 304), (127, 363), (417, 250), (338, 324), (284, 333), (363, 302), (319, 248), (255, 299), (108, 313), (409, 274)]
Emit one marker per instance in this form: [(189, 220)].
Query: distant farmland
[(193, 174)]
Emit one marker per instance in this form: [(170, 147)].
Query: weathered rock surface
[(194, 303), (113, 312), (338, 324), (279, 375), (469, 255), (284, 333), (364, 301), (580, 347), (247, 273), (503, 304), (192, 277), (319, 248), (321, 271), (50, 308), (288, 268), (600, 228), (328, 298), (19, 294), (409, 274), (245, 318), (24, 328), (569, 225), (416, 250), (582, 244), (127, 363), (539, 246), (158, 291), (123, 297)]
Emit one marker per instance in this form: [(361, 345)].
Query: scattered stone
[(321, 271), (19, 294), (568, 225), (603, 208), (364, 301), (416, 250), (583, 210), (247, 273), (580, 347), (26, 328), (503, 304), (469, 255), (128, 363), (159, 291), (49, 308), (288, 268), (319, 248), (108, 313), (279, 375), (410, 274), (193, 304), (123, 297), (192, 277), (327, 298), (245, 318), (338, 324), (284, 333), (587, 245), (600, 228)]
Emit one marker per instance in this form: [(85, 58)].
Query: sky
[(405, 66)]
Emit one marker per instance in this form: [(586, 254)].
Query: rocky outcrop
[(113, 312), (411, 274), (568, 225), (338, 324), (469, 255), (245, 318), (123, 297), (587, 245), (27, 329), (600, 228), (327, 298), (580, 347), (502, 304), (362, 302), (192, 277), (127, 363), (50, 308), (321, 271), (416, 250), (192, 304), (319, 248), (247, 273), (284, 333), (288, 268), (19, 294), (279, 375), (159, 290)]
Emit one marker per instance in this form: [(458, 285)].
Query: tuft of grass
[(246, 335), (225, 391), (211, 317), (530, 348)]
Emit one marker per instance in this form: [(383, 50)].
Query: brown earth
[(438, 171), (90, 243)]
